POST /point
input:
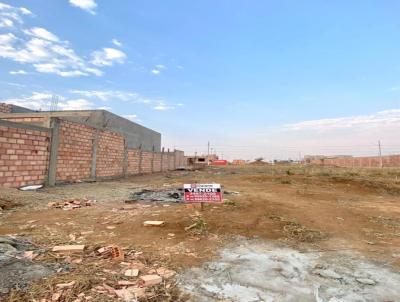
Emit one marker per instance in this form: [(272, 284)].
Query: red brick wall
[(23, 156), (110, 155), (367, 161), (74, 158), (146, 161), (133, 161), (5, 108), (36, 119)]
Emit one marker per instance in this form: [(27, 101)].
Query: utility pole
[(380, 154), (208, 153)]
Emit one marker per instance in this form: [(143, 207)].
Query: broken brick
[(117, 253), (68, 248), (131, 272), (150, 280), (65, 285), (153, 223), (165, 273)]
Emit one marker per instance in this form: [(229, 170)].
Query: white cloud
[(126, 96), (107, 95), (162, 106), (107, 57), (76, 104), (46, 52), (116, 42), (4, 22), (18, 72), (387, 117), (42, 101), (42, 33), (13, 84), (108, 108), (46, 56), (25, 11), (10, 16), (131, 117), (86, 5), (157, 69)]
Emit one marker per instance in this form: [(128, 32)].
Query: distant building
[(238, 162), (320, 158), (201, 159)]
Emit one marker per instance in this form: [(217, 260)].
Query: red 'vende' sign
[(202, 193)]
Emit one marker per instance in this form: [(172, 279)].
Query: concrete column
[(175, 159), (140, 159), (55, 140), (95, 144), (162, 159), (125, 162), (152, 160), (168, 161)]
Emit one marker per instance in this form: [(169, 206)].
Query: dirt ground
[(309, 209)]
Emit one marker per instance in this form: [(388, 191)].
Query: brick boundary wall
[(27, 119), (5, 108), (361, 162), (74, 158), (70, 152), (24, 154), (110, 155)]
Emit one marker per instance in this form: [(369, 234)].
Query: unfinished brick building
[(66, 146)]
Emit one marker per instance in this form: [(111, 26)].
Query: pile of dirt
[(17, 266), (6, 204), (294, 230)]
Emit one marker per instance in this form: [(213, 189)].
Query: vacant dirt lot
[(308, 209)]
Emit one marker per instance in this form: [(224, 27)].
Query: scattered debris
[(126, 283), (150, 280), (134, 272), (191, 226), (69, 248), (231, 193), (153, 223), (17, 267), (30, 255), (174, 195), (113, 252), (366, 281), (31, 188), (165, 273), (71, 204), (65, 285)]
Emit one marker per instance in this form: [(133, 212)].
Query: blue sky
[(257, 78)]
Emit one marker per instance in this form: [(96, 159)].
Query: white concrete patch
[(257, 271)]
